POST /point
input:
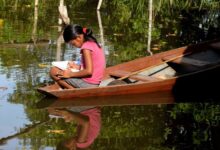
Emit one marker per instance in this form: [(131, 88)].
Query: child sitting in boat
[(92, 65)]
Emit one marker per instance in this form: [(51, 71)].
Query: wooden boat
[(185, 73)]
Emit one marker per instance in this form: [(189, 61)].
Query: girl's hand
[(64, 74), (67, 116), (72, 65)]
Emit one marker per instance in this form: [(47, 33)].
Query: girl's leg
[(64, 84), (53, 73)]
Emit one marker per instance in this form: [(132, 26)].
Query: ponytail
[(88, 35)]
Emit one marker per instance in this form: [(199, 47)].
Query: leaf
[(43, 65), (1, 23), (56, 131)]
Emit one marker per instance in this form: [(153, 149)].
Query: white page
[(63, 65)]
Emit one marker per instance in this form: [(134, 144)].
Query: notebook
[(63, 65)]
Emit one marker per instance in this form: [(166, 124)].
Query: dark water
[(24, 66)]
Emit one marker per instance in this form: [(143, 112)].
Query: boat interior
[(170, 68)]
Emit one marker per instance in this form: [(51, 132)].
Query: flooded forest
[(31, 38)]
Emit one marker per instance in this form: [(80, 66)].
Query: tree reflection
[(193, 126), (35, 21)]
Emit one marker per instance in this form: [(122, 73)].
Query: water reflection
[(35, 22), (88, 122)]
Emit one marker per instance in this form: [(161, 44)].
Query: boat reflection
[(88, 120), (163, 97)]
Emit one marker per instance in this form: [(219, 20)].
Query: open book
[(63, 65)]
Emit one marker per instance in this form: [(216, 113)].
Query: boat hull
[(187, 83)]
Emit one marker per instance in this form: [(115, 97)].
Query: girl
[(91, 68)]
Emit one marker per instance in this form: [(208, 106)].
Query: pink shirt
[(98, 59), (94, 126)]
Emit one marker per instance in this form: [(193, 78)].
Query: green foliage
[(205, 116), (202, 112)]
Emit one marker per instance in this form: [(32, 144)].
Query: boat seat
[(187, 60), (138, 77)]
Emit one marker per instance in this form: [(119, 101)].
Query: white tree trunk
[(101, 29), (63, 13), (150, 26), (35, 21), (99, 4)]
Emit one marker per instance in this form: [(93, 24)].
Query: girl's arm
[(87, 70), (80, 119), (83, 127)]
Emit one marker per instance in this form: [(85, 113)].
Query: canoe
[(185, 73)]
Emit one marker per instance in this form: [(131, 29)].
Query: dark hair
[(72, 31)]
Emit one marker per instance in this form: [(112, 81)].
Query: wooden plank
[(122, 73), (161, 70)]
